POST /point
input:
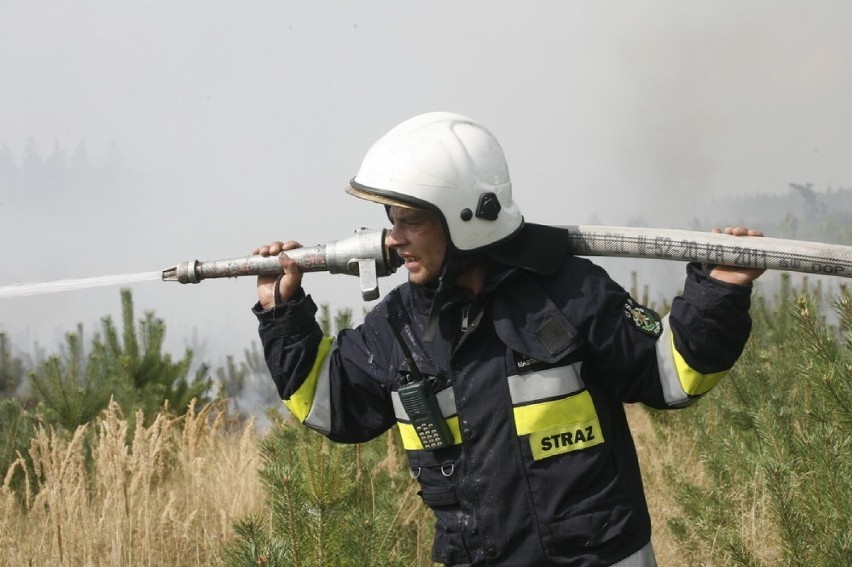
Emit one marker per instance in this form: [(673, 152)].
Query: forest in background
[(162, 456), (758, 473)]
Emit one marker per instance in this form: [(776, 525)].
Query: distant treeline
[(59, 160), (802, 213), (60, 172)]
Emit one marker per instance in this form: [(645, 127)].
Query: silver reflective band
[(319, 418), (673, 392), (642, 558), (544, 384)]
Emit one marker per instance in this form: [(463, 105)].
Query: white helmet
[(448, 163)]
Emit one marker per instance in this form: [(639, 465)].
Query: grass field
[(171, 495)]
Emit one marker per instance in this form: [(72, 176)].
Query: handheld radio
[(419, 401), (422, 408)]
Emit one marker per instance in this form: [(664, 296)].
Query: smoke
[(125, 150)]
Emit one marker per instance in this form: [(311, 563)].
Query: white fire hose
[(712, 248)]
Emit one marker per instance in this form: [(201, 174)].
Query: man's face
[(418, 237)]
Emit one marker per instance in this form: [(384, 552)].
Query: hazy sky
[(243, 121)]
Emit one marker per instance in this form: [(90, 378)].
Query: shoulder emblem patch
[(646, 320)]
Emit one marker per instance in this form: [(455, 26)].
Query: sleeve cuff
[(709, 292), (293, 317)]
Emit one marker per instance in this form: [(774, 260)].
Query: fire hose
[(365, 254), (712, 248)]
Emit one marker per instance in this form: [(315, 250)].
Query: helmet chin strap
[(455, 264)]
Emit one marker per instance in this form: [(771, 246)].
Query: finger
[(743, 231), (275, 248), (288, 264), (271, 249)]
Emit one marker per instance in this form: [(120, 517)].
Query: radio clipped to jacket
[(421, 405), (419, 402)]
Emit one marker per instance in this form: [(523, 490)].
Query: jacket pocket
[(590, 529), (449, 549), (438, 496), (435, 472), (448, 546), (436, 483)]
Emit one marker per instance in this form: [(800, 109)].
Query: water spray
[(27, 289)]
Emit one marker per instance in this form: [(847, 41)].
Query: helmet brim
[(370, 195)]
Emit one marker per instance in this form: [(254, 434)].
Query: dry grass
[(170, 494), (169, 497), (749, 513), (654, 456)]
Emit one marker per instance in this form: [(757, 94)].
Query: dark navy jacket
[(542, 469)]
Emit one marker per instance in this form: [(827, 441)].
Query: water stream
[(24, 289)]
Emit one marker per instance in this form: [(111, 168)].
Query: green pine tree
[(17, 428), (11, 369), (72, 387), (333, 504), (129, 365), (775, 439)]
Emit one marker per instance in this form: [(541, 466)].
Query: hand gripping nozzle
[(364, 255)]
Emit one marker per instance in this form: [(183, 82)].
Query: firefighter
[(504, 361)]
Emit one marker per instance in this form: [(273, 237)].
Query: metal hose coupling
[(364, 255)]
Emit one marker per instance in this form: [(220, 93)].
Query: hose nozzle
[(364, 255), (185, 272)]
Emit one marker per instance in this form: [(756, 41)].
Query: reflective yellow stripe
[(302, 400), (559, 426), (410, 441), (554, 413), (693, 382)]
